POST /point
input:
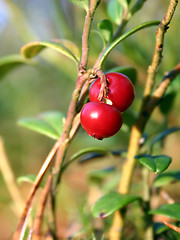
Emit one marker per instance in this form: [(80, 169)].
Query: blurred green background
[(47, 84)]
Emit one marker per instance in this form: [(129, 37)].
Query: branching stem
[(157, 56), (136, 134)]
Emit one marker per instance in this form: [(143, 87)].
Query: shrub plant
[(102, 101)]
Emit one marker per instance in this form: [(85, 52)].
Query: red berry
[(121, 91), (100, 120)]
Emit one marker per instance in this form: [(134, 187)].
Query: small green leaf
[(156, 164), (110, 203), (48, 123), (168, 210), (115, 11), (130, 72), (63, 46), (30, 178), (166, 178), (163, 134), (8, 63), (124, 36), (106, 29), (81, 3)]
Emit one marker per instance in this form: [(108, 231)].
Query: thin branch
[(166, 197), (157, 56), (10, 181), (136, 134), (27, 209), (148, 234), (85, 35), (18, 235), (40, 210), (173, 227)]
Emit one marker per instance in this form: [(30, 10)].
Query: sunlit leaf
[(168, 210), (130, 72), (106, 29), (110, 203), (62, 46), (8, 63), (115, 11), (156, 164), (48, 123), (166, 178), (30, 178), (81, 3)]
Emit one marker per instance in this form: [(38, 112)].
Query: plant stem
[(136, 133), (40, 210), (10, 181), (157, 56), (146, 197), (85, 36)]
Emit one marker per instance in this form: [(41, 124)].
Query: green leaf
[(156, 164), (110, 203), (48, 123), (81, 3), (84, 151), (163, 134), (168, 210), (115, 11), (63, 46), (30, 178), (106, 29), (8, 63), (124, 36), (130, 72), (166, 178)]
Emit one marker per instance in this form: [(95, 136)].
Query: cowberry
[(100, 120), (120, 93)]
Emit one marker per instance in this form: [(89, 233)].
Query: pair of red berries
[(103, 119)]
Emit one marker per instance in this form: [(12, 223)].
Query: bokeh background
[(47, 84)]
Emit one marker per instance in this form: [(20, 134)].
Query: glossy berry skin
[(100, 120), (121, 91)]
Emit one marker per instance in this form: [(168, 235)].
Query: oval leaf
[(48, 123), (156, 164), (30, 178), (65, 47), (166, 178), (115, 11), (81, 3), (168, 210), (106, 29), (110, 203), (8, 63)]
